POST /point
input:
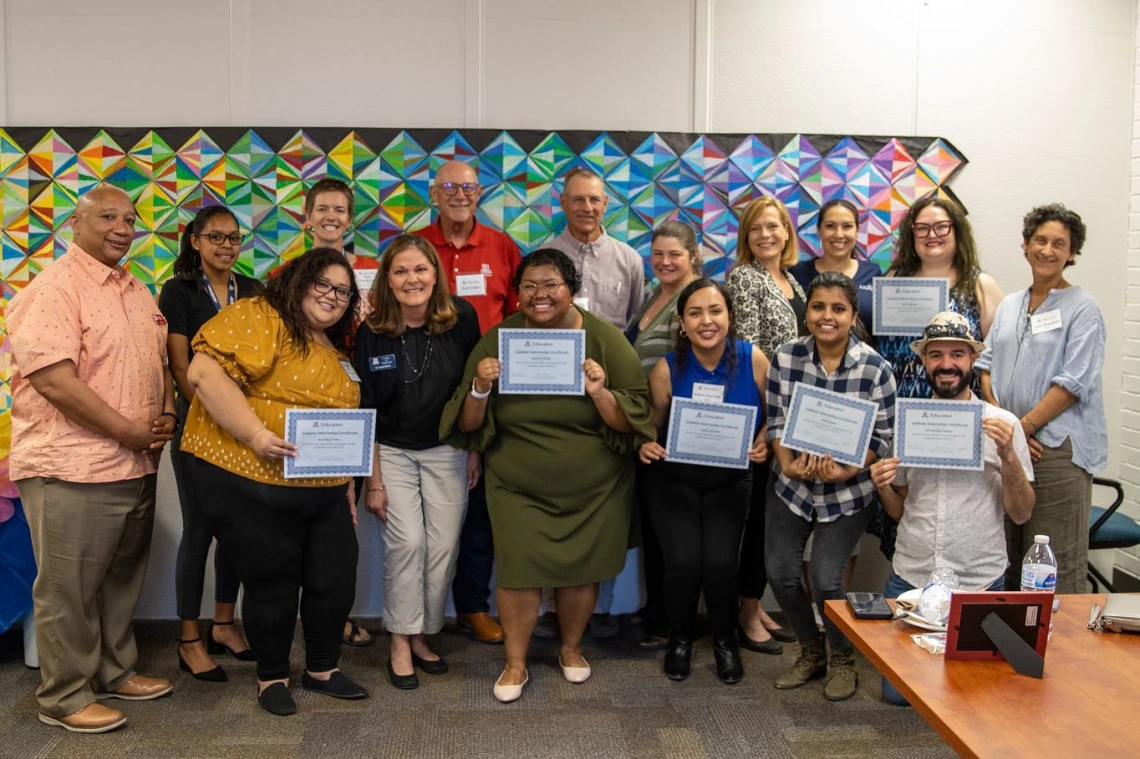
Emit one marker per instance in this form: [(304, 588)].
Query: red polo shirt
[(488, 253)]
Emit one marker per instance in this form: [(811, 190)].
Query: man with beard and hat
[(953, 518)]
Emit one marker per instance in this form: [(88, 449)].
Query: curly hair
[(188, 265), (387, 318), (906, 262), (683, 347), (1057, 212), (288, 289), (550, 257)]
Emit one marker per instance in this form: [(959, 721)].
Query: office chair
[(1109, 529)]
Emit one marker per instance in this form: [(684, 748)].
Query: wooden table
[(1088, 703)]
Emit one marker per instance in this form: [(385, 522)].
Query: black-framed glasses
[(217, 238), (939, 229), (946, 330), (548, 288), (324, 287), (450, 188)]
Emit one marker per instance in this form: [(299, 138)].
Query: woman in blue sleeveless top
[(699, 511)]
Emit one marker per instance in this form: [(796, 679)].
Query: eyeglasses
[(324, 287), (945, 330), (548, 288), (450, 188), (939, 229), (217, 238)]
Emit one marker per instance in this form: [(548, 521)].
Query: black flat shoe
[(403, 682), (437, 667), (276, 700), (729, 668), (770, 646), (782, 634), (215, 675), (678, 657), (214, 648), (337, 686)]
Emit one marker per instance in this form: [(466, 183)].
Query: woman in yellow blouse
[(252, 361)]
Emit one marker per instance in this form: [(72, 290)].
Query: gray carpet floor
[(627, 709)]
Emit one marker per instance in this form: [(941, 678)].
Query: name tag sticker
[(702, 391), (159, 319), (350, 371), (1046, 321), (384, 363), (470, 284), (582, 303)]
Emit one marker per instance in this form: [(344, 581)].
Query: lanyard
[(231, 291)]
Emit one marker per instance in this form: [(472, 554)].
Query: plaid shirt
[(863, 373)]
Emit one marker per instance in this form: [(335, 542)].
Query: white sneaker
[(575, 674), (509, 693)]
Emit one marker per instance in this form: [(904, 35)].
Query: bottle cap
[(1041, 539)]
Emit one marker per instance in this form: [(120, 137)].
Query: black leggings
[(699, 515), (753, 572), (284, 540)]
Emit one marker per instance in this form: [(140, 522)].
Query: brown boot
[(810, 664), (480, 626), (93, 718), (842, 679)]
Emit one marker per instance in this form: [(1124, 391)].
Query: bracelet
[(476, 394), (381, 488), (171, 414)]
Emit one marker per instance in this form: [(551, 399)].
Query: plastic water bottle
[(1039, 568)]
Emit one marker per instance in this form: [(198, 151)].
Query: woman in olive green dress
[(559, 469)]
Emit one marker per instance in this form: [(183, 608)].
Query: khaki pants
[(1061, 511), (427, 498), (91, 542)]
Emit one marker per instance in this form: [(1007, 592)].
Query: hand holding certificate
[(710, 434), (542, 361), (330, 442), (905, 305), (939, 434), (827, 423)]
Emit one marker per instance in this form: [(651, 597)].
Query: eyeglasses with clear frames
[(548, 288), (939, 229), (450, 188), (217, 238), (324, 287)]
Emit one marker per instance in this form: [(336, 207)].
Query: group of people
[(550, 491)]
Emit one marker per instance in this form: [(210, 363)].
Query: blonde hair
[(386, 317), (752, 212)]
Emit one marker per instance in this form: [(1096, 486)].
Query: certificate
[(710, 434), (542, 361), (330, 442), (939, 434), (825, 423), (905, 305)]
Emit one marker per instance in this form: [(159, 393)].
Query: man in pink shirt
[(92, 407)]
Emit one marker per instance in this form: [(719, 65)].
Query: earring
[(309, 228), (683, 332)]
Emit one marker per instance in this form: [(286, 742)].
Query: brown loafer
[(93, 718), (480, 626), (139, 688)]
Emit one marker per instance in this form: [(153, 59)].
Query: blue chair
[(1109, 529)]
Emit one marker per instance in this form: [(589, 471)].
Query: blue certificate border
[(877, 284), (802, 391), (740, 461), (976, 458), (363, 469), (577, 387)]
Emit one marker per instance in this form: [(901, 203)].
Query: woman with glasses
[(285, 537), (410, 355), (1043, 361), (204, 283), (559, 468)]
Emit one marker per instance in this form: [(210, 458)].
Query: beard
[(964, 381)]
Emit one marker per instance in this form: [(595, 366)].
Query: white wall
[(1037, 93)]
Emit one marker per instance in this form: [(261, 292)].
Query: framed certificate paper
[(542, 361), (938, 434), (825, 423), (905, 305), (710, 434), (330, 442)]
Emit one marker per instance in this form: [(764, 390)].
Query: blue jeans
[(894, 588)]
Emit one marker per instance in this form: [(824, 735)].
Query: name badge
[(582, 303), (703, 391), (470, 284), (384, 363), (349, 370), (364, 280), (1046, 321)]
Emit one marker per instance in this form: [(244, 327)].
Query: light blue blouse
[(1023, 366)]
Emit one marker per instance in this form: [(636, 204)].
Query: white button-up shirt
[(955, 518)]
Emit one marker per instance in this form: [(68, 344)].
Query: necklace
[(417, 374)]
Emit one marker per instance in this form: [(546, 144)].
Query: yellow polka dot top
[(250, 342)]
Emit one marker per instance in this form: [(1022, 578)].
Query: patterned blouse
[(764, 316)]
